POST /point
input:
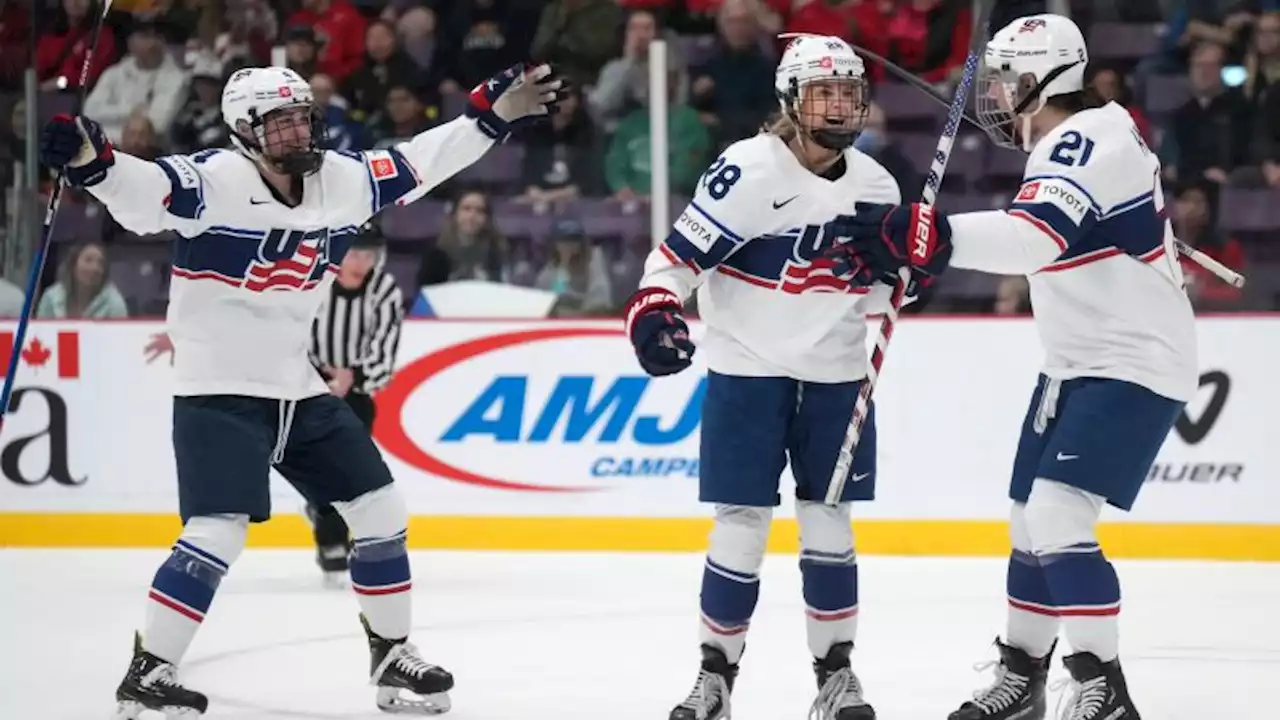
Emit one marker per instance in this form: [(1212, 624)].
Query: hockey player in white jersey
[(259, 228), (786, 352), (1088, 229)]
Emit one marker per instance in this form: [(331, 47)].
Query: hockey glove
[(658, 332), (885, 238), (78, 148), (514, 97), (849, 264)]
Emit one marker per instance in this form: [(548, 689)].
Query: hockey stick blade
[(46, 235), (937, 169)]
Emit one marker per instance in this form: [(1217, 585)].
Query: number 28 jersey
[(753, 244)]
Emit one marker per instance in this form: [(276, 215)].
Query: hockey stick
[(929, 196), (46, 235), (1229, 276)]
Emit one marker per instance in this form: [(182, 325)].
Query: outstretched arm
[(494, 109)]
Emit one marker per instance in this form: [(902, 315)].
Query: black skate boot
[(709, 698), (333, 542), (395, 666), (152, 684), (1098, 690), (1018, 692), (839, 691)]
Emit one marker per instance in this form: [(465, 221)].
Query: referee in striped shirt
[(353, 345)]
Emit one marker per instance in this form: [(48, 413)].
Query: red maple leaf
[(36, 354)]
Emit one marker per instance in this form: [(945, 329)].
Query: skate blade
[(131, 710), (404, 702)]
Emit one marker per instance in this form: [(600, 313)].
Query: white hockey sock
[(1033, 620), (379, 562), (731, 577), (185, 584), (829, 574), (380, 577)]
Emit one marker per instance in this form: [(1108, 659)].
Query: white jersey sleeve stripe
[(1041, 225), (1127, 205), (718, 225)]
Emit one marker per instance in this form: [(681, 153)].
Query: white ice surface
[(608, 637)]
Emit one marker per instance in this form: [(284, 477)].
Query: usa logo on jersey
[(793, 262), (255, 260), (287, 260)]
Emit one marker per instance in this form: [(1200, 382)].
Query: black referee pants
[(330, 529)]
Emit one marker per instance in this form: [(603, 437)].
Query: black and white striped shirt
[(360, 329)]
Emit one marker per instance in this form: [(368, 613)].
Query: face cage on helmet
[(1002, 97), (297, 163), (823, 135), (1006, 101)]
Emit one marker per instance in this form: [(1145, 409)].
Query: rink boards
[(546, 436)]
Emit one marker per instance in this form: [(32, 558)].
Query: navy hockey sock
[(381, 579), (180, 596), (728, 601), (830, 582), (1086, 593), (1033, 619)]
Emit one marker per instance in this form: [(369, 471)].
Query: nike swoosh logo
[(860, 478), (778, 205), (255, 201), (1063, 458)]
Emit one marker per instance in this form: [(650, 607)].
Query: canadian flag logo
[(63, 357)]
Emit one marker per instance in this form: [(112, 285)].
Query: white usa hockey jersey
[(1088, 227), (752, 244), (249, 272)]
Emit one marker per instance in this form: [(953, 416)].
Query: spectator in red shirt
[(340, 29), (928, 37), (60, 51), (1111, 85), (825, 17), (1193, 224)]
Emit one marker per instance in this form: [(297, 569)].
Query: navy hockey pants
[(1095, 434), (751, 426), (225, 446)]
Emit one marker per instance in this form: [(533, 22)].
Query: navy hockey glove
[(514, 97), (849, 264), (78, 148), (658, 332), (885, 238)]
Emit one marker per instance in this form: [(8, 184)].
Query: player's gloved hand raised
[(884, 238), (78, 148), (518, 95), (658, 332)]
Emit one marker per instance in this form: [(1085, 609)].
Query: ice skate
[(709, 698), (1097, 690), (839, 691), (152, 684), (1018, 692), (406, 683)]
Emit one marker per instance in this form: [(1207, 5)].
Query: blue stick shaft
[(46, 235)]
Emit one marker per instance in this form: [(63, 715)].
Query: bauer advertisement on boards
[(556, 419)]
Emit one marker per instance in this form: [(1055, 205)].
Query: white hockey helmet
[(1027, 62), (256, 105), (834, 116)]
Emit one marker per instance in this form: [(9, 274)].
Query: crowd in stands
[(564, 207)]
